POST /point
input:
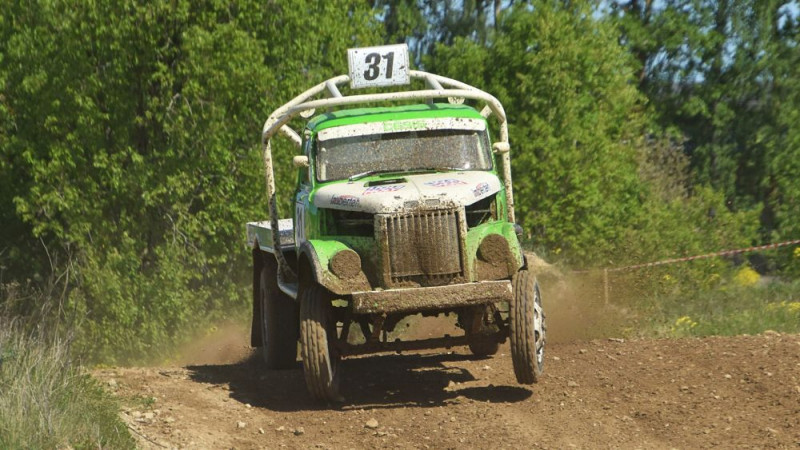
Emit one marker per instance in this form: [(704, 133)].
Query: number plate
[(378, 66)]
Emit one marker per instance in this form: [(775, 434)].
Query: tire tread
[(522, 336), (317, 360)]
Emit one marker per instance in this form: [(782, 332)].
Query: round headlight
[(493, 249), (345, 264)]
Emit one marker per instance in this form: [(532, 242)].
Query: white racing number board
[(386, 65)]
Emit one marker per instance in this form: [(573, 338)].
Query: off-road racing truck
[(400, 209)]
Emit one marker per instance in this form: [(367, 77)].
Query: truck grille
[(426, 244)]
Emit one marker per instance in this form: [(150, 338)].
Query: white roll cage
[(305, 103)]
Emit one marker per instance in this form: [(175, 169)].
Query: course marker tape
[(709, 255), (688, 258)]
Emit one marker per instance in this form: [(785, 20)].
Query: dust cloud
[(576, 309), (574, 304), (226, 343)]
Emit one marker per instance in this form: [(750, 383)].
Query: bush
[(124, 315)]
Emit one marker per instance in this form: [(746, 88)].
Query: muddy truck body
[(400, 209)]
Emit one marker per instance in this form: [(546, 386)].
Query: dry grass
[(46, 399)]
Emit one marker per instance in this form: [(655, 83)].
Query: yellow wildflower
[(746, 276), (683, 326), (789, 307)]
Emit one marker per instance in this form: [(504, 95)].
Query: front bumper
[(427, 298)]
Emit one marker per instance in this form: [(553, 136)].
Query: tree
[(780, 140), (575, 118), (131, 148), (425, 23), (719, 71)]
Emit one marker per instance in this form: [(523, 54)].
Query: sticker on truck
[(345, 200), (480, 189), (383, 189), (445, 182)]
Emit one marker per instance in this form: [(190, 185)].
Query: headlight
[(345, 264), (493, 249)]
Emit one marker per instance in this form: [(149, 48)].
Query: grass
[(670, 302), (728, 311), (47, 401), (739, 303)]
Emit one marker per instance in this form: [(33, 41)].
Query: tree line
[(129, 136)]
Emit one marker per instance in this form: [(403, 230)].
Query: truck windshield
[(455, 149)]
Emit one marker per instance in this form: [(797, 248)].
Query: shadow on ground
[(373, 382)]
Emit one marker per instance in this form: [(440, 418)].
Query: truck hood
[(394, 194)]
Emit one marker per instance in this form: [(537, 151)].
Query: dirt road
[(735, 392)]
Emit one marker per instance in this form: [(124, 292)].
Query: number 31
[(373, 61)]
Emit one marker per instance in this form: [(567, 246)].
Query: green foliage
[(424, 24), (130, 139), (401, 19), (724, 74), (48, 402), (686, 226), (574, 119), (131, 150), (780, 144), (677, 221)]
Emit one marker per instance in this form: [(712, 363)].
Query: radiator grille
[(423, 244)]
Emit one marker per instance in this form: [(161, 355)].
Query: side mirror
[(501, 147), (300, 161)]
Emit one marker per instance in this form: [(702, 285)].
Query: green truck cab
[(399, 210)]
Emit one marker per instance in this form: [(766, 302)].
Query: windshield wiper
[(367, 173)]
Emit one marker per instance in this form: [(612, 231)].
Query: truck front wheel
[(321, 360), (279, 320), (527, 323)]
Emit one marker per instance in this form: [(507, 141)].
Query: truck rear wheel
[(527, 323), (279, 320), (321, 360)]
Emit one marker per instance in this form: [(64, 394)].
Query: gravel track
[(729, 392)]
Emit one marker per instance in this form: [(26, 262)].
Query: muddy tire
[(278, 319), (321, 361), (527, 328), (480, 344)]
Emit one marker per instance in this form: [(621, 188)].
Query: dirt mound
[(729, 392)]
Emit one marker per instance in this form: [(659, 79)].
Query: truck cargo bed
[(262, 233)]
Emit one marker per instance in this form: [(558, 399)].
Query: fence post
[(605, 286)]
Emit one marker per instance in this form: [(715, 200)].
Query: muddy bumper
[(439, 297)]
